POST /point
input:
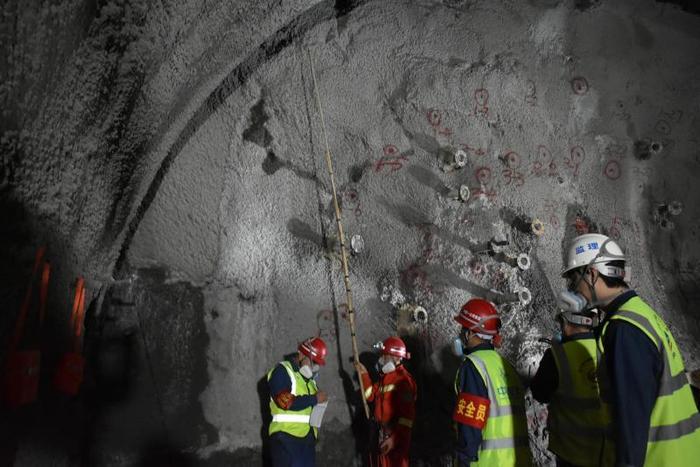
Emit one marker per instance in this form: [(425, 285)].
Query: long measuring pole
[(341, 237)]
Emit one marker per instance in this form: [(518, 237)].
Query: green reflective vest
[(674, 432), (505, 440), (577, 417), (293, 422)]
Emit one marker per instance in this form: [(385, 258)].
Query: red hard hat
[(480, 316), (395, 346), (315, 349)]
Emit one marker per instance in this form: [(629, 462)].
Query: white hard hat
[(595, 250)]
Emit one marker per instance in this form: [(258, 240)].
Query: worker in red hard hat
[(393, 397), (490, 409), (293, 394)]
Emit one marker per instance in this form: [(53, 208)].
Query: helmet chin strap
[(591, 288)]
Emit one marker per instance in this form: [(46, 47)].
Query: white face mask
[(306, 371), (388, 365)]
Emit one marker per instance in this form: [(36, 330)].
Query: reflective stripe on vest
[(504, 443), (291, 418), (674, 432), (293, 422), (405, 422), (577, 419), (505, 437)]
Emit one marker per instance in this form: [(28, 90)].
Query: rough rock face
[(172, 152)]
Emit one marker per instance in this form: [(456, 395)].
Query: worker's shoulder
[(627, 335), (281, 368), (405, 380), (468, 367)]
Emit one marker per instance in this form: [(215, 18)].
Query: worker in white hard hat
[(566, 380), (641, 375)]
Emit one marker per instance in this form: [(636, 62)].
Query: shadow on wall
[(433, 437), (266, 417)]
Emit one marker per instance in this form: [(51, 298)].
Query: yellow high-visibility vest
[(293, 422), (577, 418), (505, 440), (674, 432)]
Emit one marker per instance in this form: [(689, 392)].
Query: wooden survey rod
[(341, 237)]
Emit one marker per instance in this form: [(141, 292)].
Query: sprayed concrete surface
[(174, 155)]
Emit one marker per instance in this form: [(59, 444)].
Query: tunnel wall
[(177, 150)]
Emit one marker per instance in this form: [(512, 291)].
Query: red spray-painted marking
[(544, 158), (511, 175), (478, 192), (612, 170), (550, 209), (414, 274), (394, 164), (470, 150), (477, 268), (434, 117), (512, 159), (530, 93), (483, 175), (575, 159), (481, 101), (391, 159), (352, 199), (581, 226), (390, 150)]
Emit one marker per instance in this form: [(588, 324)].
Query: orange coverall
[(394, 398)]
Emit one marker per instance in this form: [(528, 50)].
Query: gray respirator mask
[(386, 365), (572, 302), (309, 372)]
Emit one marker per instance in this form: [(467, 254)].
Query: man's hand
[(360, 368), (321, 397), (387, 445)]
